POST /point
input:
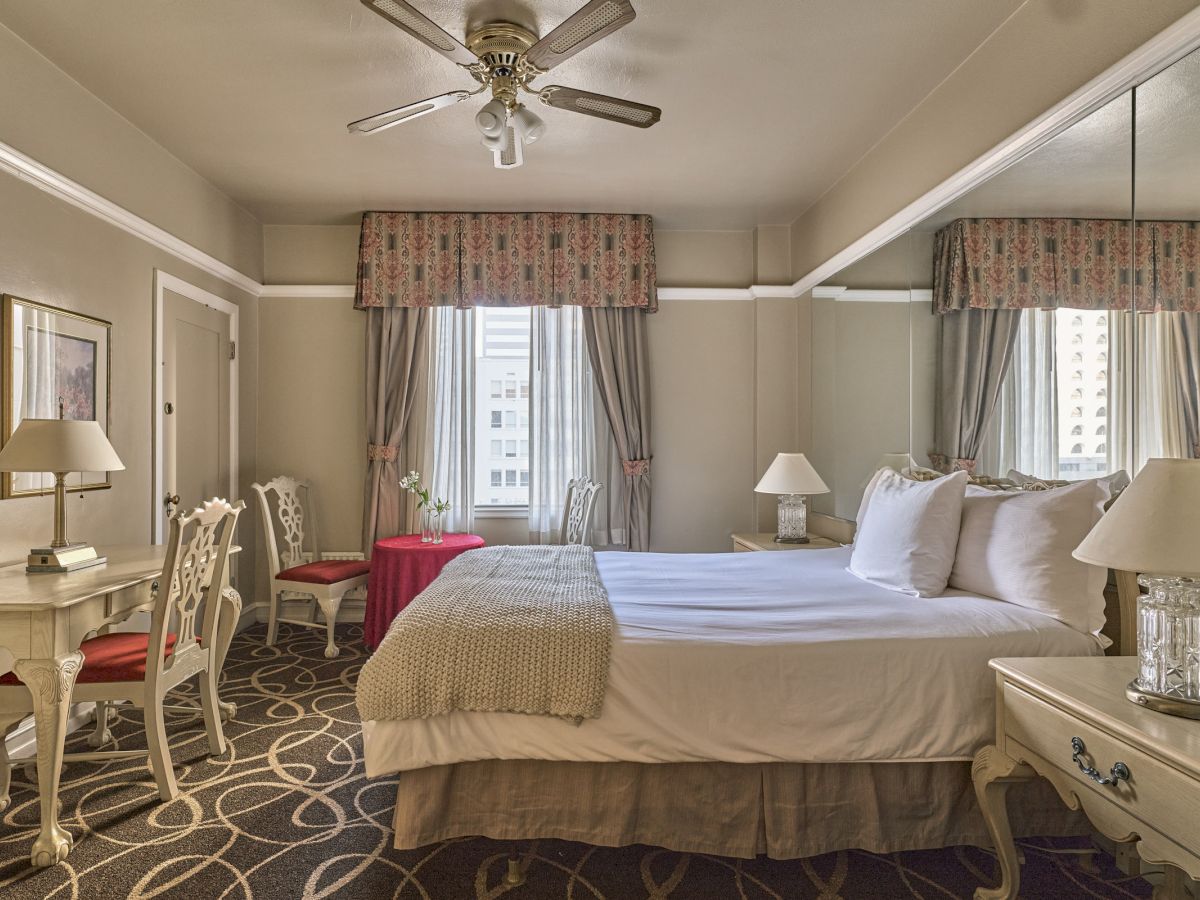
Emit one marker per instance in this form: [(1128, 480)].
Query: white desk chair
[(577, 514), (323, 580), (140, 667)]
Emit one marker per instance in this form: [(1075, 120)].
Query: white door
[(196, 357)]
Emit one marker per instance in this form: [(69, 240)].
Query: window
[(1077, 394), (1077, 449), (1101, 449), (1102, 413), (1077, 359), (1102, 358), (1101, 339), (1102, 430), (525, 449), (502, 339), (1101, 393), (524, 478), (1077, 431), (1076, 412), (1077, 322)]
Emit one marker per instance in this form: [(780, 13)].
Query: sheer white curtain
[(447, 457), (1023, 432), (1161, 427), (568, 433)]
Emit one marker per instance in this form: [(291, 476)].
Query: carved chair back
[(197, 553), (577, 515), (293, 513)]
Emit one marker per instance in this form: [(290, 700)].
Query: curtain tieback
[(385, 452), (636, 466)]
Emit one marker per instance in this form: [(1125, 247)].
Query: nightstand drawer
[(1157, 794)]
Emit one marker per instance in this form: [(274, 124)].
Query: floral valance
[(1074, 263), (506, 259)]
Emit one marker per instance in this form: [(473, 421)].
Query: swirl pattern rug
[(288, 813)]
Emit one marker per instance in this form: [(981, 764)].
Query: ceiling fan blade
[(402, 14), (596, 19), (601, 106), (406, 113)]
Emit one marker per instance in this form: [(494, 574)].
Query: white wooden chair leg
[(272, 618), (6, 724), (101, 734), (313, 606), (329, 608), (231, 613), (212, 714), (160, 750)]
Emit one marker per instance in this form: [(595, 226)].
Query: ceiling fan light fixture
[(493, 142), (529, 125), (491, 118)]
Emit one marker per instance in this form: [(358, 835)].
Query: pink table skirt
[(402, 567)]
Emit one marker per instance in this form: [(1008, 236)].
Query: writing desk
[(43, 620)]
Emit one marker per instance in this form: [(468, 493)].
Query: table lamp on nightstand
[(792, 477), (60, 446), (1153, 529)]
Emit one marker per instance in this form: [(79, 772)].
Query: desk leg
[(993, 774), (50, 681), (227, 621)]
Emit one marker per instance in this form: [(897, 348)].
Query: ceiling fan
[(507, 58)]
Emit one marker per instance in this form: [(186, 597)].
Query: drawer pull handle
[(1119, 771)]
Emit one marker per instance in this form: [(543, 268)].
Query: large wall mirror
[(1043, 326)]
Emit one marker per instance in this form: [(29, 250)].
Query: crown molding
[(856, 295), (58, 185), (307, 291)]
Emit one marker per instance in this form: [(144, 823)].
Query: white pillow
[(1016, 546), (909, 532)]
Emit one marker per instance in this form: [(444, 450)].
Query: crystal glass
[(793, 520), (1169, 637), (435, 522), (426, 525)]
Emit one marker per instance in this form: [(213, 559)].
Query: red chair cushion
[(326, 571), (110, 657)]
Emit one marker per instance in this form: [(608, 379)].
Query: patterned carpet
[(288, 814)]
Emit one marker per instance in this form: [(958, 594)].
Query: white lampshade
[(529, 124), (59, 445), (1153, 528), (791, 473), (491, 117)]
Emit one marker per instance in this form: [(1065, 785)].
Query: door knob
[(171, 500)]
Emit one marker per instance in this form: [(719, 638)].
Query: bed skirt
[(783, 810)]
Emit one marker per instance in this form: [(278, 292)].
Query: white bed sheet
[(762, 657)]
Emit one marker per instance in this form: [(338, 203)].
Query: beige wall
[(726, 389), (1045, 51), (53, 119), (53, 253)]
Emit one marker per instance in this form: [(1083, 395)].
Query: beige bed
[(782, 809)]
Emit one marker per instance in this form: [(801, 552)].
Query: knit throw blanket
[(501, 629)]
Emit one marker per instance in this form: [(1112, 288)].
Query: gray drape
[(616, 342), (396, 348), (975, 353), (1187, 369)]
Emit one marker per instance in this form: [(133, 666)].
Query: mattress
[(762, 657)]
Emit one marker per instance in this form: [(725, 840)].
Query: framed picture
[(56, 362)]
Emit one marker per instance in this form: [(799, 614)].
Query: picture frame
[(52, 355)]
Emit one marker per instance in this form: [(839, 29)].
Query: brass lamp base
[(1172, 706), (68, 558)]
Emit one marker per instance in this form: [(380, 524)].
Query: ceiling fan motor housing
[(499, 47)]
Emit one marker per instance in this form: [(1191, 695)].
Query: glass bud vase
[(426, 525), (1169, 638), (435, 519)]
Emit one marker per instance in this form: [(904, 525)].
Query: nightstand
[(743, 543), (1135, 773)]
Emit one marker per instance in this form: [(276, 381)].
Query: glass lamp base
[(1168, 618), (793, 520)]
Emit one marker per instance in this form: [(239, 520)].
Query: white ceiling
[(766, 103)]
